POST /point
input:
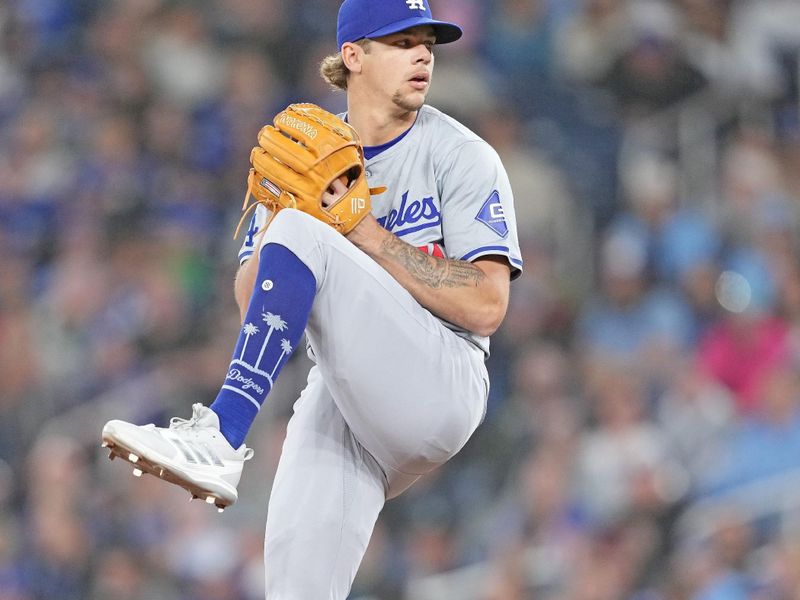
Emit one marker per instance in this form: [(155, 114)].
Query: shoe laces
[(183, 424), (179, 423)]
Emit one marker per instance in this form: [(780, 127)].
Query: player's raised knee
[(293, 225), (292, 219)]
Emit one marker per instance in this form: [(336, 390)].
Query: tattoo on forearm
[(434, 272)]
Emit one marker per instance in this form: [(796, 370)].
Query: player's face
[(399, 66)]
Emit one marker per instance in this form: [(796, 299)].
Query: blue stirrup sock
[(273, 325)]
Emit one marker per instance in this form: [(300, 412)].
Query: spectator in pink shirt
[(750, 339)]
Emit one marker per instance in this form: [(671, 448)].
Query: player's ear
[(352, 56)]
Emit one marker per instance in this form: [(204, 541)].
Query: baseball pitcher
[(386, 235)]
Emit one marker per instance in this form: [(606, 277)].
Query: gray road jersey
[(445, 185)]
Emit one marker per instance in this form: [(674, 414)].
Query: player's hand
[(336, 190), (367, 234)]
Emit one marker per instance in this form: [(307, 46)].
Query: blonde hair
[(334, 71)]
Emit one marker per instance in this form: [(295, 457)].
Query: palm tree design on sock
[(249, 329), (274, 322), (286, 348)]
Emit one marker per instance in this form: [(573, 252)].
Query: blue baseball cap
[(360, 19)]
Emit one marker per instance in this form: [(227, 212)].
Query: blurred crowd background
[(643, 433)]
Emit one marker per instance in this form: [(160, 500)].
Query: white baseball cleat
[(191, 453)]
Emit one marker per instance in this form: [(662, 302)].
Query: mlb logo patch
[(492, 215)]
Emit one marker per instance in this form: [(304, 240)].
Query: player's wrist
[(368, 234)]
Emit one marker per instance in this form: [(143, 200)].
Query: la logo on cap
[(415, 4)]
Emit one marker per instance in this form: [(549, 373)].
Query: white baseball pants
[(393, 395)]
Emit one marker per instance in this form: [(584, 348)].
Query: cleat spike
[(161, 472), (111, 455), (194, 497), (104, 444), (137, 472), (133, 458), (210, 499), (220, 509)]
